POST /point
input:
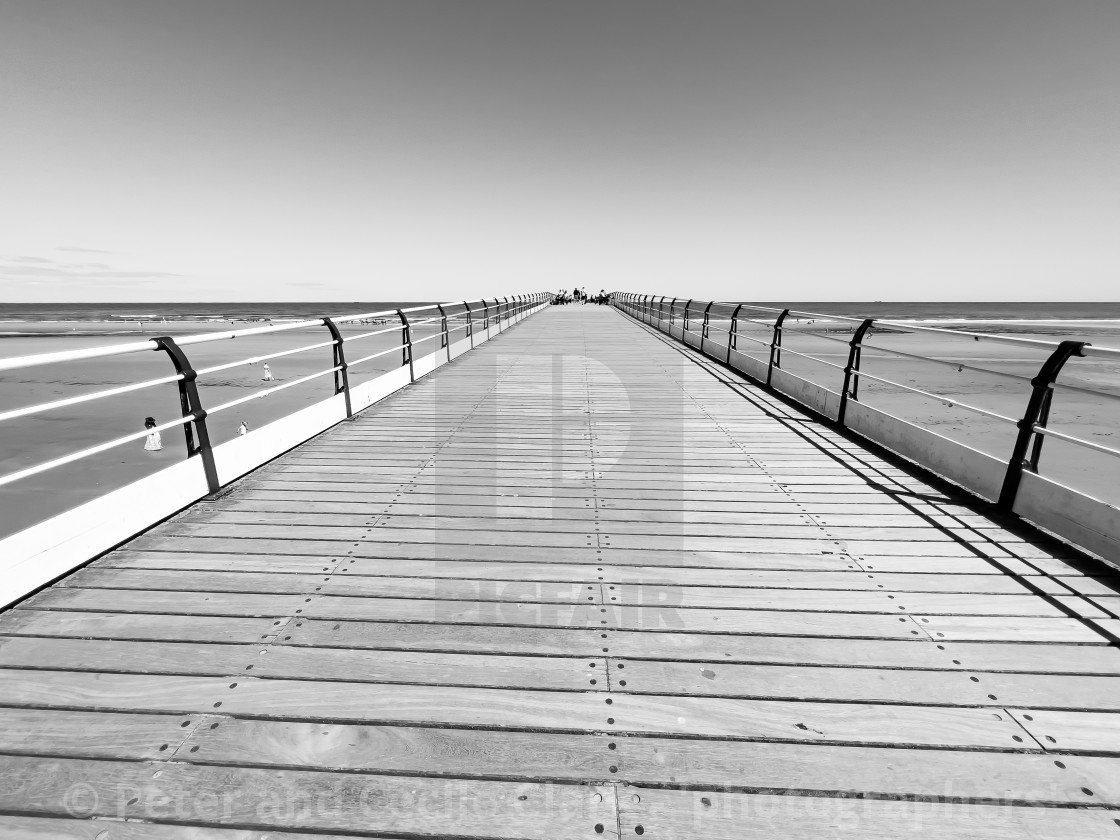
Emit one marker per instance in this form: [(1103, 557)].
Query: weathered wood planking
[(683, 815), (57, 828), (293, 799), (515, 709), (552, 673), (560, 575)]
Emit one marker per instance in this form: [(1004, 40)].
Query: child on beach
[(243, 429), (152, 442), (267, 375)]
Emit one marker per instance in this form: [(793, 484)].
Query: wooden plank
[(867, 771), (355, 585), (92, 734), (553, 673), (762, 555), (699, 538), (837, 600), (459, 638), (916, 652), (200, 794), (851, 579), (683, 815), (400, 749), (56, 828), (876, 685), (515, 709), (987, 628), (1069, 731), (185, 603), (480, 517), (110, 625)]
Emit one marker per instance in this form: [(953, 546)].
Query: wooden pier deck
[(580, 582)]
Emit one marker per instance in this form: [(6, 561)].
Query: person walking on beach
[(152, 442), (243, 429), (268, 377)]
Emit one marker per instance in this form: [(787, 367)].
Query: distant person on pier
[(268, 377), (152, 443)]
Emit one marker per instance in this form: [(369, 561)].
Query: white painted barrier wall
[(49, 549)]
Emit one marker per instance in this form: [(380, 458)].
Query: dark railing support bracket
[(192, 405), (406, 345), (444, 335), (704, 328), (776, 346), (1036, 414), (851, 369), (733, 334), (342, 375)]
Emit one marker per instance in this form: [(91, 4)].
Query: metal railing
[(452, 322), (693, 319)]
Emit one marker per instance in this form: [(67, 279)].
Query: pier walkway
[(579, 582)]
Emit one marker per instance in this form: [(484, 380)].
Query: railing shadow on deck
[(749, 339), (41, 553)]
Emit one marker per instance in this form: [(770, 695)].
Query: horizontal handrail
[(1088, 444), (92, 450), (252, 360), (81, 398), (256, 395), (1031, 427), (941, 398)]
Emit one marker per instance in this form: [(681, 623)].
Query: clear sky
[(375, 149)]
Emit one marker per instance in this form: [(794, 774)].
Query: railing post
[(660, 311), (341, 376), (685, 325), (444, 336), (647, 308), (192, 405), (486, 317), (732, 334), (850, 390), (1036, 414), (406, 345), (672, 312), (776, 346), (470, 323), (704, 328)]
